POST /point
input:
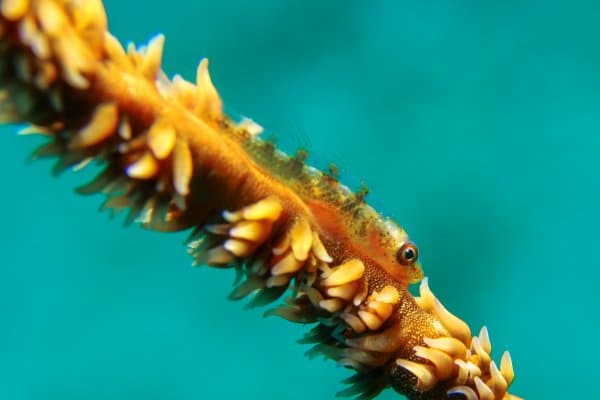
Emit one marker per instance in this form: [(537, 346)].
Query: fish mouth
[(415, 273)]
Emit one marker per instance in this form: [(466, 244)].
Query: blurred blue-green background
[(476, 125)]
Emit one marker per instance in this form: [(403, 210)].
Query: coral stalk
[(174, 160)]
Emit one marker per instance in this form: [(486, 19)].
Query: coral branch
[(175, 161)]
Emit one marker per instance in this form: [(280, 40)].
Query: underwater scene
[(475, 126)]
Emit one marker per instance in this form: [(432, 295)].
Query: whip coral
[(175, 161)]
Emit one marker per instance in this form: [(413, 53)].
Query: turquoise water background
[(475, 125)]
